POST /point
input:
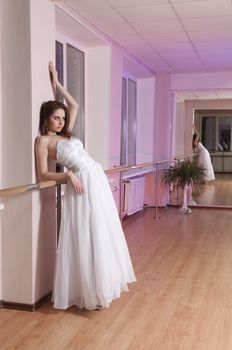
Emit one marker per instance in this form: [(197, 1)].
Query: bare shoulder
[(41, 142)]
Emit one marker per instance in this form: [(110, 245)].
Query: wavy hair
[(46, 110)]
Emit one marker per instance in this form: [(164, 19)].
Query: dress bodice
[(199, 147), (72, 155)]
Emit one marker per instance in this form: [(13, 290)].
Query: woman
[(203, 156), (93, 263)]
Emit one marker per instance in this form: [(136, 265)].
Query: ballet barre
[(122, 169), (25, 188), (6, 192)]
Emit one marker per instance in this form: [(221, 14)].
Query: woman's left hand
[(53, 74), (78, 187)]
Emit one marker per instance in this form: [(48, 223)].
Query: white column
[(163, 117), (1, 17), (28, 224), (145, 120), (97, 96)]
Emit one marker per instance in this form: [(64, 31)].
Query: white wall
[(201, 81), (115, 106), (163, 117), (145, 120), (16, 94), (178, 130), (44, 201), (97, 107), (16, 141), (28, 243), (1, 21)]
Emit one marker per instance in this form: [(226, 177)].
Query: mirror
[(216, 129), (218, 192), (211, 113)]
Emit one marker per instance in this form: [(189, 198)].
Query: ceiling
[(203, 95), (166, 35)]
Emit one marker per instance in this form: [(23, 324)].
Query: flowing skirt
[(205, 161), (93, 265)]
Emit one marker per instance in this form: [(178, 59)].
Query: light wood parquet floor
[(215, 193), (218, 192), (181, 301)]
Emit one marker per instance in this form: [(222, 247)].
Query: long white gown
[(93, 265), (205, 161)]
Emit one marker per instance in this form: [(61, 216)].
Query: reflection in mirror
[(218, 192), (211, 113), (216, 129)]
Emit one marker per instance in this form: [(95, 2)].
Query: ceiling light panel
[(208, 23), (147, 13), (206, 8), (128, 3), (88, 4), (160, 27), (101, 16)]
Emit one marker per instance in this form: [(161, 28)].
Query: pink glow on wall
[(28, 232), (115, 107), (163, 117)]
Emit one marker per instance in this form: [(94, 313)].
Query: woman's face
[(56, 121)]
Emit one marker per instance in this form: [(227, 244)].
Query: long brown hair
[(46, 110), (193, 142)]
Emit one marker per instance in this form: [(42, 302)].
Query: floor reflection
[(218, 192), (215, 193)]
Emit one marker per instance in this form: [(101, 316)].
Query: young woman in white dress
[(93, 264), (203, 156)]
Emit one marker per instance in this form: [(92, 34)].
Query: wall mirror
[(211, 113)]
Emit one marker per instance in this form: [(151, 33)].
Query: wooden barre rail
[(132, 167), (6, 192), (22, 189)]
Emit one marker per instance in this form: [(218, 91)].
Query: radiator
[(134, 195)]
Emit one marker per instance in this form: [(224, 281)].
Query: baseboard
[(25, 307)]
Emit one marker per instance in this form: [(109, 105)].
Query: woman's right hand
[(78, 187)]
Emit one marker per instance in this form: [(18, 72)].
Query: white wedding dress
[(93, 265), (205, 161)]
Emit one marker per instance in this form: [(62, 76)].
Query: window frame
[(65, 41), (128, 144), (217, 130)]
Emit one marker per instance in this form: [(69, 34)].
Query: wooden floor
[(182, 300), (215, 193), (218, 192)]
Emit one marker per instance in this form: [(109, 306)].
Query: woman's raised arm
[(71, 103)]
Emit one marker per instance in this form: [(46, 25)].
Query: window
[(224, 132), (74, 73), (128, 122), (209, 132), (75, 85), (59, 66), (216, 133), (123, 157)]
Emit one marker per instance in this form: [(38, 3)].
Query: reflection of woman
[(203, 157), (93, 264)]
